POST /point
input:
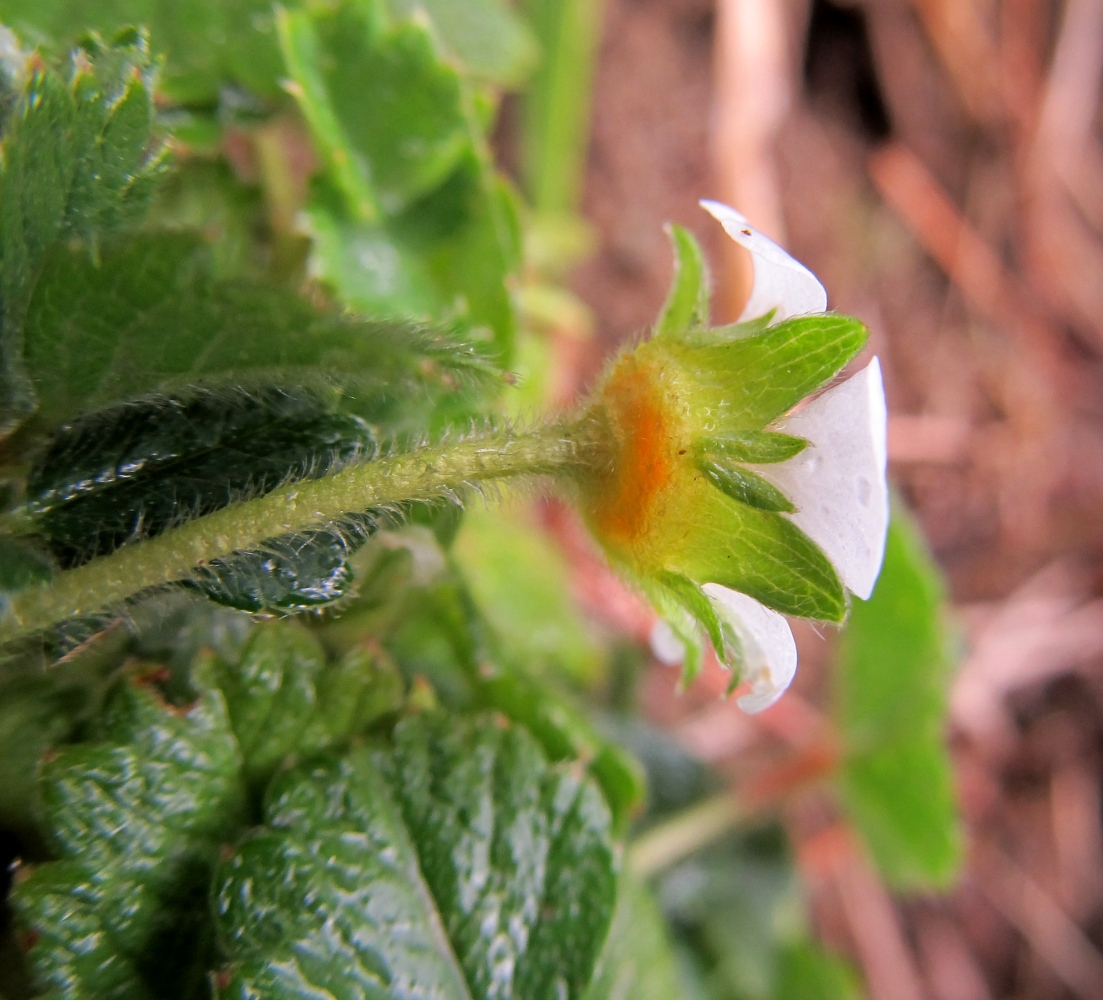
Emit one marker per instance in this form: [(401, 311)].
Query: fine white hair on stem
[(781, 283), (769, 650), (838, 482)]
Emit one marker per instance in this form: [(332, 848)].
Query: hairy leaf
[(150, 316), (136, 819), (496, 866), (78, 162), (207, 43), (290, 573), (134, 470)]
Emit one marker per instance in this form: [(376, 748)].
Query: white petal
[(838, 482), (769, 651), (780, 282), (666, 645)]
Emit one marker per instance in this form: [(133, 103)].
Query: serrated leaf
[(150, 316), (135, 820), (443, 636), (687, 303), (77, 161), (134, 470), (497, 867), (890, 709), (284, 698), (485, 37), (756, 379), (447, 257), (207, 44), (407, 136)]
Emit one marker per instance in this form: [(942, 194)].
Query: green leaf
[(637, 962), (497, 867), (21, 565), (207, 43), (386, 113), (687, 304), (520, 581), (285, 699), (556, 104), (78, 162), (448, 257), (890, 707), (485, 37), (136, 469), (289, 573), (807, 971), (151, 317), (136, 820), (751, 381), (742, 485)]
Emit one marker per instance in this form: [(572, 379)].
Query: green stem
[(423, 474)]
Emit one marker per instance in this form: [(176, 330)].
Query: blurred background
[(939, 165)]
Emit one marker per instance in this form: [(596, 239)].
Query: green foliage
[(411, 219), (135, 818), (130, 470), (96, 335), (284, 698), (557, 103), (498, 867), (208, 43), (79, 161), (484, 36), (637, 961), (890, 707)]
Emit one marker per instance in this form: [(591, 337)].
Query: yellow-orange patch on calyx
[(644, 427)]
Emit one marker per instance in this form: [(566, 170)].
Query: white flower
[(837, 483)]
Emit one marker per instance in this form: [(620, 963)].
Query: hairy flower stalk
[(426, 473), (709, 492)]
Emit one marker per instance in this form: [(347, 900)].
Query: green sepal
[(683, 622), (743, 485), (759, 553), (749, 383), (687, 304), (754, 447), (696, 602)]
